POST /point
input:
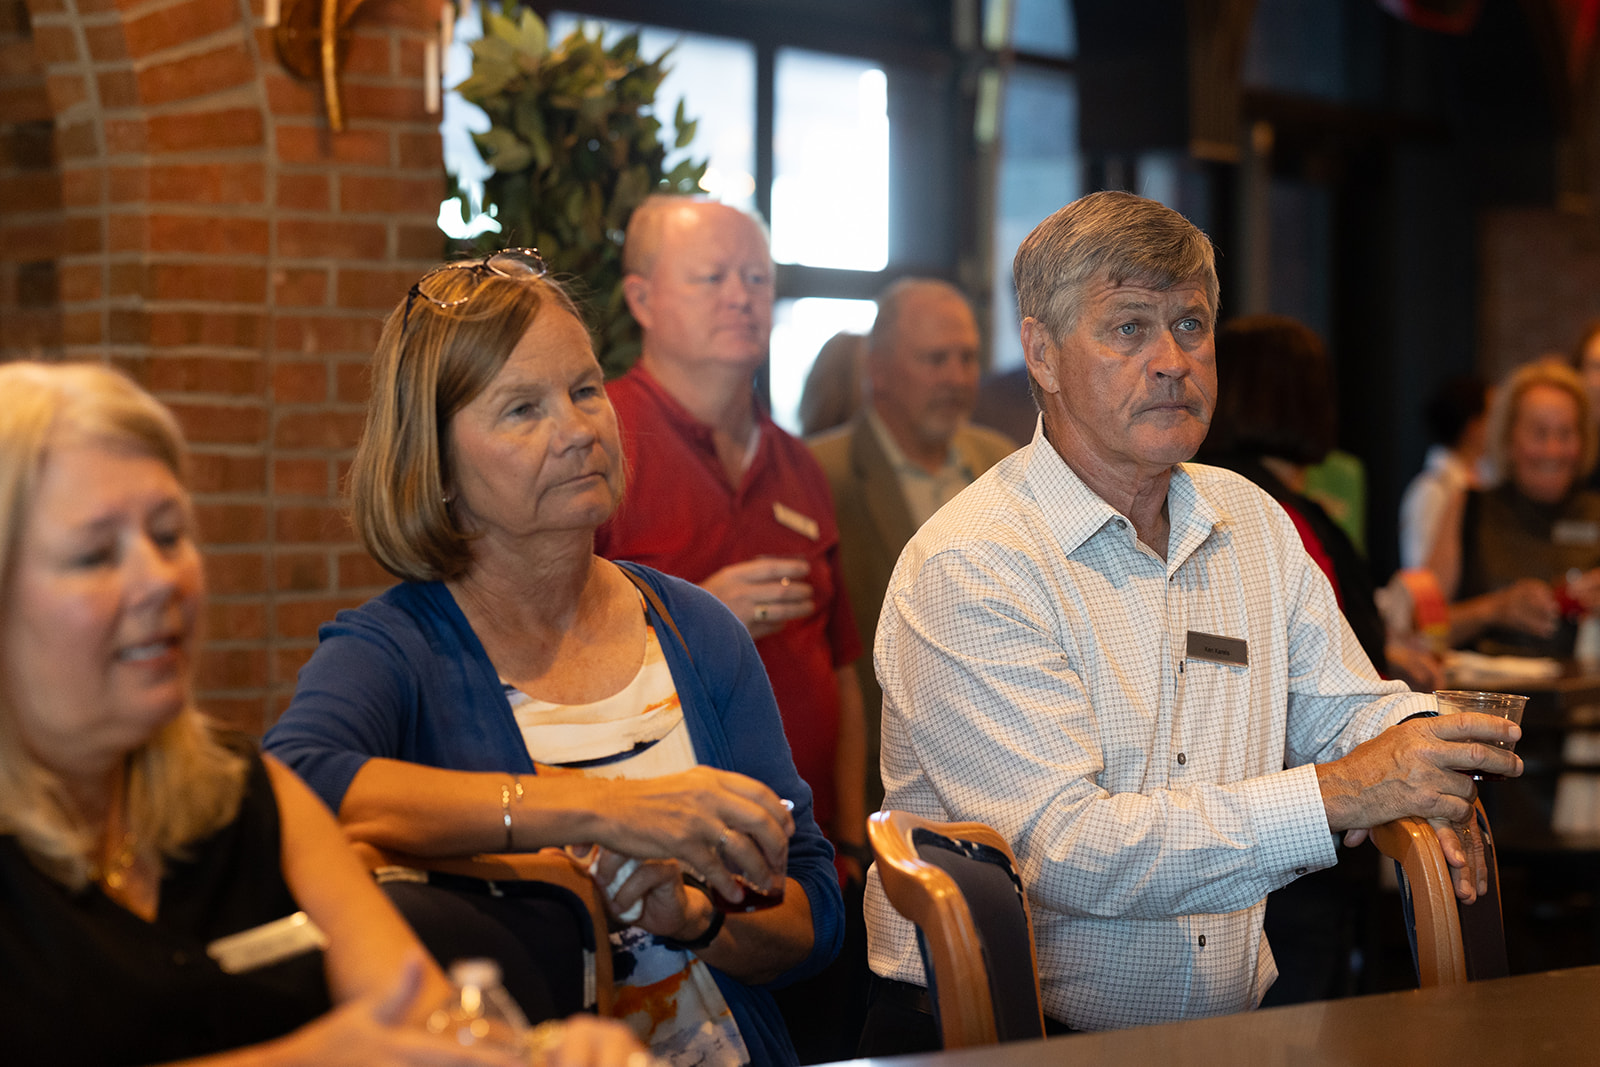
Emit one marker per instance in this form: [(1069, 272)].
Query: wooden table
[(1537, 1020)]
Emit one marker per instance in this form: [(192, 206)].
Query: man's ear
[(636, 291), (1039, 350)]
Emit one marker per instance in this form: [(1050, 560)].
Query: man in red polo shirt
[(719, 495)]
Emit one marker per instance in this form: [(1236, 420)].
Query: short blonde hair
[(425, 370), (183, 784), (1507, 398)]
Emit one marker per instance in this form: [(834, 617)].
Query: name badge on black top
[(1576, 533), (1231, 650)]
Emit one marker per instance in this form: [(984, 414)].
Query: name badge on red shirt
[(804, 525)]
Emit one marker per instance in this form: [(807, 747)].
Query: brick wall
[(193, 220)]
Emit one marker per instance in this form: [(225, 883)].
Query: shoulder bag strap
[(660, 609)]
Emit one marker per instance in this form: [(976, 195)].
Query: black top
[(1505, 536), (1352, 576), (85, 981)]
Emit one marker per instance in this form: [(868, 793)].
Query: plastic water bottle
[(481, 1012)]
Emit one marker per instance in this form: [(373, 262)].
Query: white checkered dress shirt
[(1032, 655)]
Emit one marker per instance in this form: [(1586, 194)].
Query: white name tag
[(804, 525), (269, 943)]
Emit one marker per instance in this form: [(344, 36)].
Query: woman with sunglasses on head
[(146, 862), (516, 691)]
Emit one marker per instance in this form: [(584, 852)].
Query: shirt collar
[(1075, 513), (897, 457), (682, 419)]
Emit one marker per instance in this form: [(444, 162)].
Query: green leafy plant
[(575, 146)]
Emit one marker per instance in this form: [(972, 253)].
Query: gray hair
[(1106, 235), (885, 328)]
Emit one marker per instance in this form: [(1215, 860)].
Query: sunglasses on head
[(509, 263)]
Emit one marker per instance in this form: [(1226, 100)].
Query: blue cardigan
[(404, 677)]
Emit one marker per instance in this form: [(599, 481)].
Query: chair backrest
[(550, 867), (1451, 943), (958, 883)]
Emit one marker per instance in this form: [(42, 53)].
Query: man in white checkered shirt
[(1129, 666)]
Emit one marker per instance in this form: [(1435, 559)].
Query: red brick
[(79, 141), (300, 618), (128, 185), (243, 713), (66, 91), (291, 96), (209, 234), (126, 232), (129, 326), (368, 54), (125, 136), (178, 24), (351, 383), (209, 183), (235, 573), (306, 239), (231, 524), (220, 424), (357, 570), (202, 374), (235, 620), (303, 192), (129, 279), (40, 191), (424, 244), (300, 477), (307, 523), (220, 328), (17, 60), (220, 282), (31, 243), (196, 76), (81, 234), (300, 383), (323, 429), (207, 131), (300, 288), (363, 103), (55, 44), (373, 289), (421, 151), (231, 668), (288, 661), (215, 472), (107, 43), (80, 281), (82, 328), (25, 103), (353, 334), (80, 187), (300, 572), (406, 14), (118, 89), (385, 195), (299, 143)]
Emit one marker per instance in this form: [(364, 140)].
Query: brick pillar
[(237, 257)]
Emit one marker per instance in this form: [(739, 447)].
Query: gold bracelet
[(506, 792)]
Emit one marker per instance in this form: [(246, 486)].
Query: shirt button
[(1299, 871), (1182, 759), (1202, 940)]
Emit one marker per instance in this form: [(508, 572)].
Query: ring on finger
[(761, 613), (784, 582), (722, 841)]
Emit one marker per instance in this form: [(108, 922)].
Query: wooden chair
[(958, 883), (551, 867), (1451, 944)]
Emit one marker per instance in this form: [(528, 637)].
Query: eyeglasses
[(510, 263)]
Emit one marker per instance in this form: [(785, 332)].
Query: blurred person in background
[(832, 392), (1457, 420)]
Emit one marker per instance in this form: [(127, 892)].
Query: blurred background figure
[(1457, 421), (1275, 418), (133, 836), (1518, 559), (1585, 358), (906, 454), (833, 386), (517, 692)]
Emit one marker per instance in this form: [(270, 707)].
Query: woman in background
[(133, 840), (1518, 560)]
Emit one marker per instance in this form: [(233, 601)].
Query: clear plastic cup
[(1505, 705)]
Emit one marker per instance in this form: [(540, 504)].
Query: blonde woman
[(133, 840)]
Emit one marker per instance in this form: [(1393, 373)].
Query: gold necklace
[(113, 874)]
